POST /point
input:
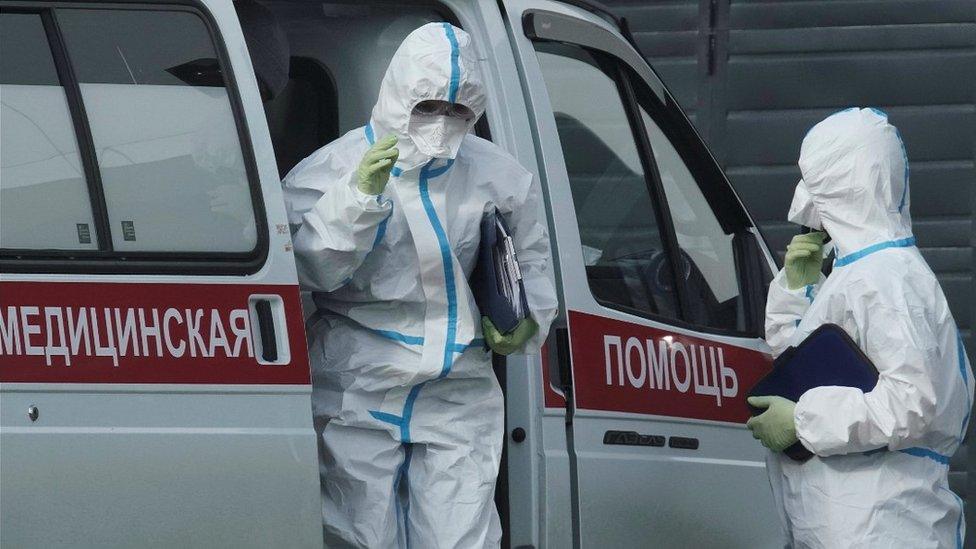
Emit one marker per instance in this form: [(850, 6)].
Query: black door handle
[(269, 343)]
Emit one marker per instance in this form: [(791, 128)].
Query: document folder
[(827, 357), (497, 279)]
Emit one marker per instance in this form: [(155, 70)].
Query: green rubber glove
[(506, 344), (374, 169), (804, 258), (775, 427)]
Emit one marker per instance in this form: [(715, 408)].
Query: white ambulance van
[(154, 379)]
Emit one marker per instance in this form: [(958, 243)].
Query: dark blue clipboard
[(827, 357), (485, 281)]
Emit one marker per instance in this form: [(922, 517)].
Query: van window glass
[(44, 201), (708, 265), (166, 140), (626, 261)]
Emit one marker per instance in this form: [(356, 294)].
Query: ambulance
[(154, 377)]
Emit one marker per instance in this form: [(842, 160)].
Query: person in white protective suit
[(879, 474), (407, 408)]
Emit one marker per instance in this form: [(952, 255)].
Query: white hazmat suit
[(408, 411), (879, 477)]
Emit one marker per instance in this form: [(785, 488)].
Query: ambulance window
[(710, 280), (626, 260), (44, 201), (166, 140)]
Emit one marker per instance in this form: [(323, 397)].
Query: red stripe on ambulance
[(142, 333), (625, 367)]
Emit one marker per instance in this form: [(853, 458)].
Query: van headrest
[(268, 44)]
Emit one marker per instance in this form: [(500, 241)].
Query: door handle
[(564, 367), (269, 329), (266, 328)]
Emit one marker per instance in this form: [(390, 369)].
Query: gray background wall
[(755, 75)]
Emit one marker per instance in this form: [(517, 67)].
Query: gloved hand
[(374, 169), (506, 344), (804, 258), (775, 427)]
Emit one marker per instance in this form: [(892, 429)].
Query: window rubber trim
[(105, 261), (79, 120)]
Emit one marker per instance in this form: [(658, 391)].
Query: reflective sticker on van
[(80, 332), (626, 367)]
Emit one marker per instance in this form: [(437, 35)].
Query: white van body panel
[(159, 465), (168, 464)]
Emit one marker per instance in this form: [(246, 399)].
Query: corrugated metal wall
[(755, 75)]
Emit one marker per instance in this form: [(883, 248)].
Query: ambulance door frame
[(604, 37)]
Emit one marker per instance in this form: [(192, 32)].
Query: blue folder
[(827, 357), (497, 280)]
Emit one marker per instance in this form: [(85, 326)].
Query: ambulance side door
[(662, 280), (154, 380)]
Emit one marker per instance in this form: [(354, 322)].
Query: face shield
[(803, 211), (438, 127)]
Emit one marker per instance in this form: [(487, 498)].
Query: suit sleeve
[(334, 224), (898, 412), (526, 218), (784, 309)]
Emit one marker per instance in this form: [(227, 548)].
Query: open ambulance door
[(662, 277)]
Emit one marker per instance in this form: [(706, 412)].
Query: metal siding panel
[(958, 288), (668, 44), (943, 231), (834, 13), (847, 39), (658, 16), (681, 76), (772, 137), (825, 80), (765, 184), (949, 259)]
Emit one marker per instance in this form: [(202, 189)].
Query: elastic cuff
[(369, 202), (799, 425), (806, 291), (782, 285)]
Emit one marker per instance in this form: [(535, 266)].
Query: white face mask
[(803, 211), (437, 136)]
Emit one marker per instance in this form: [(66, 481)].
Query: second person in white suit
[(879, 477)]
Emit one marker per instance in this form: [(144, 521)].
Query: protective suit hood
[(855, 180), (435, 62)]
